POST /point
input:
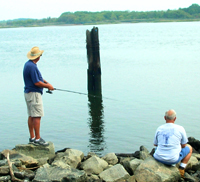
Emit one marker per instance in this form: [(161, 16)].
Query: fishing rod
[(64, 90)]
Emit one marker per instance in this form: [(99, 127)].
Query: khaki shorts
[(34, 104)]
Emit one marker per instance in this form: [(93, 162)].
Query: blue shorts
[(184, 152)]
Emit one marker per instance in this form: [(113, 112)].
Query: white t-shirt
[(168, 138)]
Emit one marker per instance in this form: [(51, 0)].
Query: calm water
[(147, 68)]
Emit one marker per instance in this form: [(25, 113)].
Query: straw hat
[(34, 53)]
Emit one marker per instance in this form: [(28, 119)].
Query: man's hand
[(183, 145), (50, 87)]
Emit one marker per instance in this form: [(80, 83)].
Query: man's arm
[(44, 85), (45, 81)]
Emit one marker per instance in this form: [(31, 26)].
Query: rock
[(194, 143), (71, 157), (29, 175), (5, 152), (123, 160), (110, 158), (151, 170), (131, 179), (19, 174), (49, 173), (196, 175), (109, 166), (26, 174), (133, 164), (126, 163), (25, 160), (3, 162), (90, 154), (93, 178), (42, 161), (17, 163), (67, 165), (144, 153), (117, 172), (192, 162), (61, 164), (196, 155), (4, 170), (189, 178), (94, 165), (196, 167), (5, 178), (36, 152)]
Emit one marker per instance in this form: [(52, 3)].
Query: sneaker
[(41, 142), (31, 141), (182, 171)]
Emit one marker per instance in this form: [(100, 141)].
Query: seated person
[(171, 143)]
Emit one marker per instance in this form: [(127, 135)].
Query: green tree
[(192, 10)]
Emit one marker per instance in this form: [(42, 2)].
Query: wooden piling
[(93, 56)]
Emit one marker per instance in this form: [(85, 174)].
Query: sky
[(38, 9)]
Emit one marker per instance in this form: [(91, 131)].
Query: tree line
[(84, 17)]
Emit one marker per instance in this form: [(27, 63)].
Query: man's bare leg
[(187, 157), (184, 162), (36, 123), (34, 127), (31, 127)]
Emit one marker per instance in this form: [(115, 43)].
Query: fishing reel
[(49, 92)]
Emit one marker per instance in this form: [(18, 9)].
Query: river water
[(147, 68)]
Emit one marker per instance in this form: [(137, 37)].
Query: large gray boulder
[(151, 170), (110, 158), (71, 157), (94, 165), (115, 173), (36, 152), (49, 173)]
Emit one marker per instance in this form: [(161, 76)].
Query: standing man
[(33, 90), (171, 141)]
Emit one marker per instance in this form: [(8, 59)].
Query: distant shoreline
[(106, 23)]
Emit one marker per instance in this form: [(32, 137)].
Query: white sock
[(33, 138), (183, 165), (37, 140)]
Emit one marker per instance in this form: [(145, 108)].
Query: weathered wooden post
[(94, 66)]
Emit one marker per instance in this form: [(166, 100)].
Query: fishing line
[(64, 90)]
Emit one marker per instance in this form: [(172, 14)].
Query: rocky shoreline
[(43, 164)]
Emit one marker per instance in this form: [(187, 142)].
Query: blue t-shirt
[(31, 76)]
